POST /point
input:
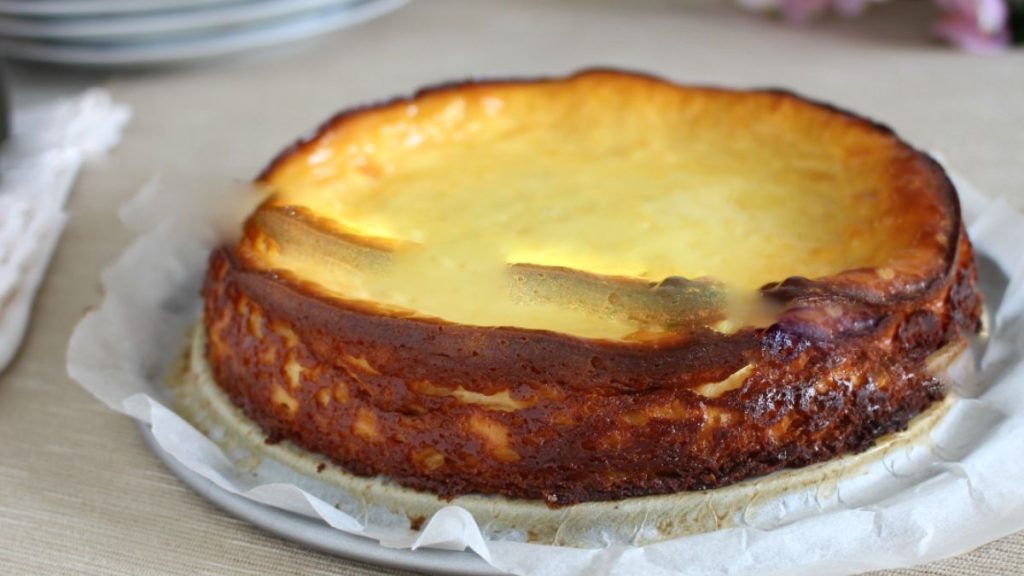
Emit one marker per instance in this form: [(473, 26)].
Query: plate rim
[(316, 534), (65, 8)]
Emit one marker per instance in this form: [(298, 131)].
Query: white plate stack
[(137, 32)]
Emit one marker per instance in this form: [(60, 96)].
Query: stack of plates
[(130, 32)]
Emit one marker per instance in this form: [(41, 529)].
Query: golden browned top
[(564, 204)]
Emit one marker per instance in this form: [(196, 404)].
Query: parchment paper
[(968, 493)]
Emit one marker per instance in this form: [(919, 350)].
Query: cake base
[(637, 521)]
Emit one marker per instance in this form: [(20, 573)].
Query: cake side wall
[(458, 409)]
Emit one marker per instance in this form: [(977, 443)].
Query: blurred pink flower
[(979, 26), (850, 8), (801, 11)]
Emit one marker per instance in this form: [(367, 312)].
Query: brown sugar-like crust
[(456, 409)]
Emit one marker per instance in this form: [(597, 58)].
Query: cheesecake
[(590, 288)]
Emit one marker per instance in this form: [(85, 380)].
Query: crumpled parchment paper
[(968, 493)]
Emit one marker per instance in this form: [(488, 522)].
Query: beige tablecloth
[(68, 465)]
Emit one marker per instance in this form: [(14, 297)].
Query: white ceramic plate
[(318, 535), (206, 45), (147, 25)]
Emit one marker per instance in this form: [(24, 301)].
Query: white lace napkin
[(38, 165)]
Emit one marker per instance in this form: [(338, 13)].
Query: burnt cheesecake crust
[(672, 387)]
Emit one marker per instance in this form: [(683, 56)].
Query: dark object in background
[(5, 108)]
